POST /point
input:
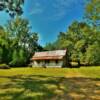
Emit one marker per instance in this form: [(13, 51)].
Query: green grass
[(50, 84)]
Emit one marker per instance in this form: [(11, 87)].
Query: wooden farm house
[(55, 58)]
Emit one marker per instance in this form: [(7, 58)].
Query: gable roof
[(56, 54)]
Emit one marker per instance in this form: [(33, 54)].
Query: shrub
[(74, 64), (4, 66)]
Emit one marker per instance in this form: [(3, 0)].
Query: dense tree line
[(17, 42), (82, 39)]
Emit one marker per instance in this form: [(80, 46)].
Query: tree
[(4, 45), (33, 43), (17, 42), (1, 53), (93, 55), (82, 40), (19, 58), (93, 12), (50, 46), (15, 59), (19, 32), (79, 40), (13, 7), (22, 39), (22, 57)]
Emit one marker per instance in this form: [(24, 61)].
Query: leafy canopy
[(13, 7)]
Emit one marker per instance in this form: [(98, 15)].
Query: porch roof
[(49, 55)]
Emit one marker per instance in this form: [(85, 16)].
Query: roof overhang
[(49, 55), (48, 58)]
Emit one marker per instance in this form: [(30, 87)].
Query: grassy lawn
[(50, 84)]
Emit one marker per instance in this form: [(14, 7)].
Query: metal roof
[(57, 54)]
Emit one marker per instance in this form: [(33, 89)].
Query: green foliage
[(74, 64), (13, 7), (17, 42), (93, 54), (19, 58), (1, 54), (22, 56), (93, 12), (4, 66), (50, 46), (15, 58), (82, 39), (82, 43)]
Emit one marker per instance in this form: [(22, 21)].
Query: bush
[(4, 66), (74, 64)]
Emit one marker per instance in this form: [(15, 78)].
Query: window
[(38, 62), (47, 61), (56, 61)]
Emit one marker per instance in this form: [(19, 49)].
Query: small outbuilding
[(57, 58)]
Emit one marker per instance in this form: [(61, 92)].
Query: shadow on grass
[(37, 87)]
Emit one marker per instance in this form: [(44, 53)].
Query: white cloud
[(63, 7), (65, 3), (36, 8), (36, 11), (55, 10), (57, 16)]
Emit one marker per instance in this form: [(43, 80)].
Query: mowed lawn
[(50, 84)]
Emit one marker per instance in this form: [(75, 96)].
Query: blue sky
[(49, 17)]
